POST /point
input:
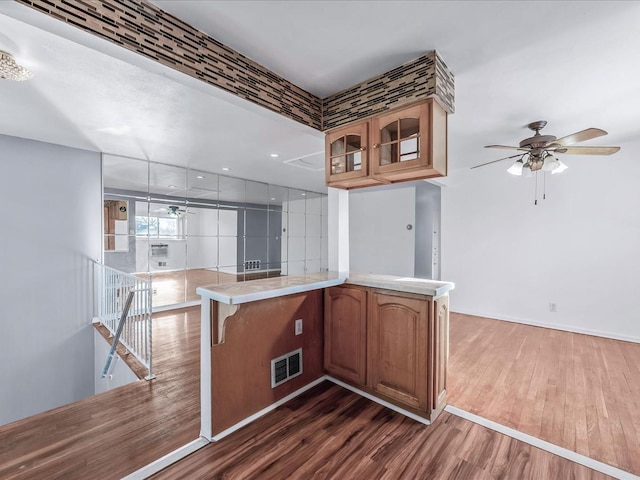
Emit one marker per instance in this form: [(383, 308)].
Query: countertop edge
[(417, 289), (276, 292)]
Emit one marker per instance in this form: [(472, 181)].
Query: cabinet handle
[(375, 145), (362, 149)]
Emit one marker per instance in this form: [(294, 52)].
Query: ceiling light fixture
[(550, 163), (561, 168), (10, 70), (274, 155), (516, 168), (226, 169), (199, 176)]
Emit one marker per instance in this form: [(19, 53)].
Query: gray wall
[(259, 237), (427, 231), (52, 213)]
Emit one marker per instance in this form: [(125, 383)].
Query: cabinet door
[(347, 159), (410, 143), (345, 333), (397, 340)]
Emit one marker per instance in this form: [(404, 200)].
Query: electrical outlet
[(553, 307), (299, 326)]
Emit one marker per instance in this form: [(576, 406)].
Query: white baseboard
[(543, 445), (268, 409), (554, 326), (169, 459)]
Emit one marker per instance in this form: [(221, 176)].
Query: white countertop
[(252, 290), (421, 286)]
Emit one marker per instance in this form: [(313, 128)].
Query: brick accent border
[(427, 76), (143, 28)]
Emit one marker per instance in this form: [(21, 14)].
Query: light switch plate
[(299, 326)]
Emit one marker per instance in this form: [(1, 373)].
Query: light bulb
[(561, 168), (516, 168), (550, 163)]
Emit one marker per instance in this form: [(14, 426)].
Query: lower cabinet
[(397, 341), (345, 333), (391, 344)]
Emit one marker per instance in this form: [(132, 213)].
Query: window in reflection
[(188, 228)]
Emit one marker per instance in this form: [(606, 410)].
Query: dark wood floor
[(110, 435), (332, 433), (576, 391)]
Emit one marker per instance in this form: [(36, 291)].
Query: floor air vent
[(286, 367)]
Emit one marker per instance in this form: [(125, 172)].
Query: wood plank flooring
[(332, 433), (115, 433), (576, 391)]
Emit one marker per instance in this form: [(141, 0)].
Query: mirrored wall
[(186, 228)]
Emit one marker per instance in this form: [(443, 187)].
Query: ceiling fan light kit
[(540, 150)]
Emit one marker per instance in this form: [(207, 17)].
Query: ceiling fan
[(171, 211), (538, 151)]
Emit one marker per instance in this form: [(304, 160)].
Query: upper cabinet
[(405, 144), (347, 156)]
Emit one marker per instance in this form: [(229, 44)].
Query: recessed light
[(274, 155), (303, 194), (226, 169), (273, 199), (172, 186), (199, 176)]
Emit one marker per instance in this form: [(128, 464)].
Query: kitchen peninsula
[(266, 341)]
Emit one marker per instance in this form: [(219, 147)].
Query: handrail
[(130, 322), (116, 337)]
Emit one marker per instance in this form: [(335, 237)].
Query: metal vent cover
[(286, 367)]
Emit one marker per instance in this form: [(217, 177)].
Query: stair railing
[(124, 309)]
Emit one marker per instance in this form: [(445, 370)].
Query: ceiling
[(572, 63)]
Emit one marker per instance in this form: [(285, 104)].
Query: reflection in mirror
[(187, 228)]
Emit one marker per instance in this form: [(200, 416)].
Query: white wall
[(379, 241), (51, 224), (579, 248)]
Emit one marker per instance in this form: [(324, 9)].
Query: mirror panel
[(186, 228)]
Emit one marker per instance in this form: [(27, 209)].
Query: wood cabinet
[(397, 341), (410, 144), (347, 157), (393, 345), (407, 143), (345, 333)]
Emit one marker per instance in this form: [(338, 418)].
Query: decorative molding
[(143, 28), (424, 77)]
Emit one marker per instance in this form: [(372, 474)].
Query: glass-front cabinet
[(410, 143), (407, 143), (348, 156)]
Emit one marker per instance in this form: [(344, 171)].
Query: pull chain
[(535, 196), (544, 186)]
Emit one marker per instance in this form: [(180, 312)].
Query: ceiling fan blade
[(506, 147), (581, 136), (499, 160), (587, 150)]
